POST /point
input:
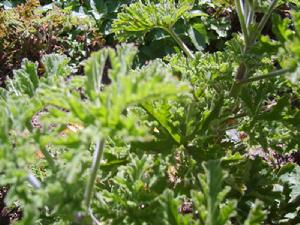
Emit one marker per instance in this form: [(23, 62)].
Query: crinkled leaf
[(139, 18)]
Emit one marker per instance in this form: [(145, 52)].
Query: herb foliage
[(194, 137)]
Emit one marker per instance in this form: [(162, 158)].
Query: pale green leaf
[(139, 18)]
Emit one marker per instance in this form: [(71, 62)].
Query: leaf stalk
[(241, 16), (266, 76), (93, 171), (246, 12), (181, 44), (259, 27)]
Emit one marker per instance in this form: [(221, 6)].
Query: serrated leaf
[(161, 115), (139, 18), (25, 80), (93, 69), (293, 180), (217, 212), (56, 65)]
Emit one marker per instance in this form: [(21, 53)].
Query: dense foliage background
[(150, 112)]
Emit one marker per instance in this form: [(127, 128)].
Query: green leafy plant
[(127, 90), (140, 18), (30, 31), (251, 31), (196, 138)]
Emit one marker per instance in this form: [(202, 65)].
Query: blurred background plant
[(31, 31)]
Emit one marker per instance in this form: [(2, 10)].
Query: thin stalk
[(238, 83), (95, 220), (269, 75), (93, 172), (252, 14), (250, 17), (263, 22), (241, 76), (181, 44), (241, 15)]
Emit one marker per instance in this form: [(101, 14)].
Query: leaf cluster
[(31, 30)]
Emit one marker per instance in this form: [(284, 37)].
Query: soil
[(7, 215)]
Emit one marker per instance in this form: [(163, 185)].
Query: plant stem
[(95, 220), (242, 20), (241, 76), (249, 15), (180, 43), (93, 172), (238, 83), (263, 22), (269, 75)]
